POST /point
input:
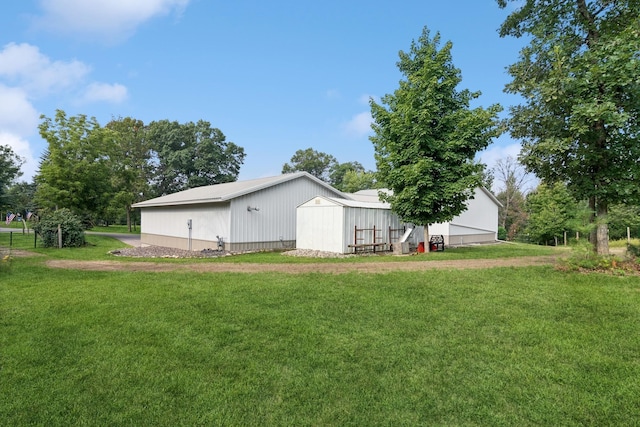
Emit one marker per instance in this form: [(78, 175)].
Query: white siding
[(367, 218), (329, 225), (481, 215), (276, 218), (437, 229), (319, 226), (207, 221)]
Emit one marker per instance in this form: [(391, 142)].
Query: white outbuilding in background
[(238, 216), (365, 223), (343, 226)]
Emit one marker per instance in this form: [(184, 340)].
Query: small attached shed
[(342, 226), (242, 215)]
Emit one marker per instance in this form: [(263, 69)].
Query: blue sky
[(274, 77)]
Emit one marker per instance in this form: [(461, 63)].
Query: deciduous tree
[(190, 155), (355, 181), (513, 179), (579, 77), (21, 197), (10, 164), (75, 171), (622, 217), (317, 163), (552, 211), (339, 171), (130, 163), (426, 136)]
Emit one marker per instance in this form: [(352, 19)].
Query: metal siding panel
[(319, 228), (171, 222), (481, 213), (367, 218), (276, 217), (209, 222)]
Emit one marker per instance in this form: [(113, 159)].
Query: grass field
[(99, 246), (504, 346)]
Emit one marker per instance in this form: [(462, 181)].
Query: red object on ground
[(421, 247)]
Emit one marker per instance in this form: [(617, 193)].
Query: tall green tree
[(427, 136), (622, 217), (75, 172), (579, 77), (317, 163), (21, 197), (552, 211), (358, 180), (130, 163), (190, 155), (339, 171), (10, 164)]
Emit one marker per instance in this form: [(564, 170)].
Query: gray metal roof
[(372, 195), (360, 203), (227, 191)]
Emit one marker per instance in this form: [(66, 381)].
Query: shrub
[(502, 233), (70, 225), (583, 257), (633, 250)]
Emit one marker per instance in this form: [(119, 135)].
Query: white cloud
[(97, 92), (17, 114), (359, 125), (496, 152), (21, 147), (112, 20), (28, 76), (24, 65)]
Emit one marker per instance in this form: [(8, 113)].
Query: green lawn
[(99, 247), (507, 346), (116, 229)]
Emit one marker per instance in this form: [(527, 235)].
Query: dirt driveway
[(329, 268)]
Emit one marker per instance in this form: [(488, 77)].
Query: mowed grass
[(98, 248), (115, 229), (508, 346)]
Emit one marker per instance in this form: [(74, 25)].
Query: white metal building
[(336, 225), (478, 224), (329, 224), (246, 215)]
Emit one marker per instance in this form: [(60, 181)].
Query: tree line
[(98, 172), (547, 213)]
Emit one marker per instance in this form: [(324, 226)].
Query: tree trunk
[(593, 235), (602, 245), (129, 218), (427, 246)]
